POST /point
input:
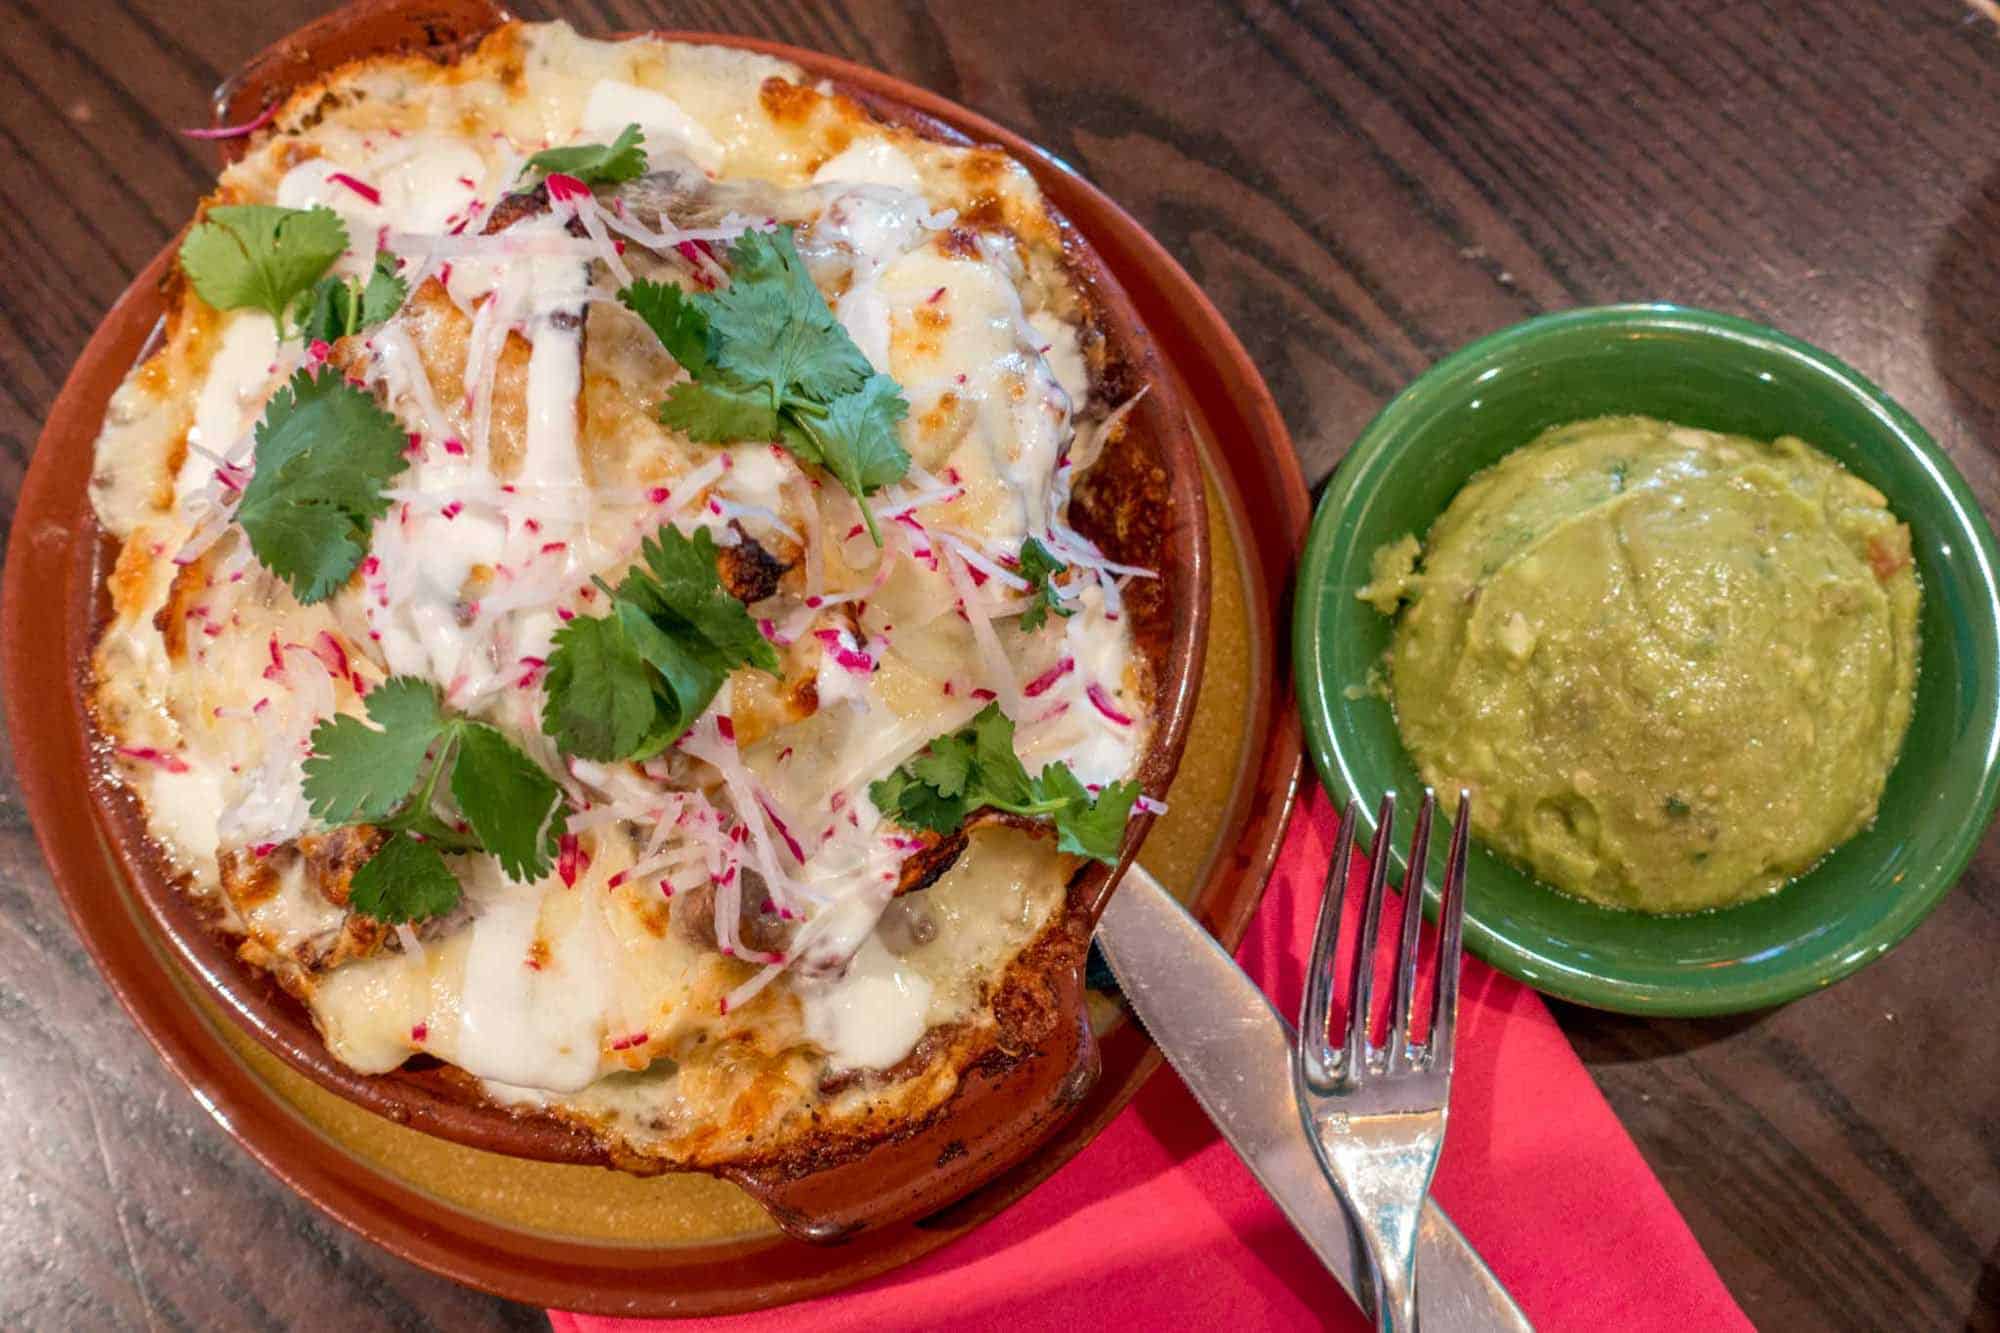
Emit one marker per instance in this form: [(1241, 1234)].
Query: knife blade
[(1233, 1050)]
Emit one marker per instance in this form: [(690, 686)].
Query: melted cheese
[(871, 1014), (613, 105), (538, 467)]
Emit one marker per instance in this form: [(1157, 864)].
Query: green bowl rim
[(1827, 963)]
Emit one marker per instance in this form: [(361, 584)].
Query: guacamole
[(1674, 667)]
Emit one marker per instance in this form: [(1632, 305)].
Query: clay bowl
[(1144, 504)]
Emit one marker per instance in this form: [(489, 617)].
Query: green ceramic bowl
[(1726, 374)]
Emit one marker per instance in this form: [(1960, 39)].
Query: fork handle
[(1391, 1289), (1386, 1180)]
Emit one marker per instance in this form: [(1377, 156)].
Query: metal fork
[(1375, 1114)]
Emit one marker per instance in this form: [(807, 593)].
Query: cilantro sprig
[(766, 360), (390, 775), (325, 452), (1039, 567), (627, 684), (343, 306), (261, 256), (623, 159), (975, 768)]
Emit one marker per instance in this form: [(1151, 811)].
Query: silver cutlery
[(1234, 1052), (1376, 1113)]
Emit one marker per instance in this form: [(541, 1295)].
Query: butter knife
[(1233, 1051)]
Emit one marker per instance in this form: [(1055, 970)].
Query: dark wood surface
[(1361, 188)]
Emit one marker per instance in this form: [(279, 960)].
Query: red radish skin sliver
[(1045, 682), (362, 188), (1102, 702), (248, 127)]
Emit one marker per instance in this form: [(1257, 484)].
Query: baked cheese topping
[(718, 941)]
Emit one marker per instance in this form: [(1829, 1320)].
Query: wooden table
[(1361, 188)]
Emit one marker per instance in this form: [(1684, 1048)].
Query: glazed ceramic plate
[(470, 1216), (1726, 374)]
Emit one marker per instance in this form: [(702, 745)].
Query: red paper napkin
[(1158, 1220)]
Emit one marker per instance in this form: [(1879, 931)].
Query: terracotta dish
[(355, 1168), (1144, 506)]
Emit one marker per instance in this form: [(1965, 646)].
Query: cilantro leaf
[(679, 323), (260, 256), (914, 803), (312, 547), (767, 360), (680, 580), (359, 773), (341, 306), (623, 159), (385, 293), (405, 880), (515, 809), (856, 439), (945, 765), (1092, 828), (1003, 781), (325, 452), (388, 775), (332, 310), (772, 327), (1039, 567), (626, 684), (598, 695), (688, 672), (976, 768), (715, 413)]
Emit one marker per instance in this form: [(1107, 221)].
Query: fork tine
[(1413, 920), (1314, 1009), (1451, 930), (1362, 973)]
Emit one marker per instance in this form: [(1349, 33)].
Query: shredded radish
[(711, 740), (750, 989), (733, 509), (708, 271), (991, 569), (898, 506), (1076, 549), (490, 323), (671, 237), (845, 652), (362, 188), (1102, 703), (596, 817), (688, 490), (508, 244), (213, 524), (1042, 684), (816, 601), (999, 671), (570, 859), (813, 556), (1090, 445), (160, 759), (264, 117), (784, 830), (401, 370), (570, 196)]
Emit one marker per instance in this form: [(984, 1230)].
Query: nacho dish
[(608, 595)]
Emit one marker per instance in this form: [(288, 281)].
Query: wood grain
[(1361, 188)]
